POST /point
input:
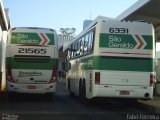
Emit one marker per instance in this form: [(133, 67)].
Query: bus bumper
[(31, 88), (138, 92)]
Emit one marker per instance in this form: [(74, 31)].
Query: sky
[(58, 14)]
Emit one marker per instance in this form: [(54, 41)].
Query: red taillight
[(54, 76), (97, 77), (152, 79), (9, 73)]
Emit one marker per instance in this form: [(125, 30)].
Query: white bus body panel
[(115, 83), (125, 78), (32, 80), (114, 91), (31, 88)]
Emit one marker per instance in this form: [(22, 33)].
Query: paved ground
[(151, 105), (63, 106)]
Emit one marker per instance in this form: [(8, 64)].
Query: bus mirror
[(66, 66), (69, 65)]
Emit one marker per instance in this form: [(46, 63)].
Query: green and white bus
[(32, 60), (112, 58)]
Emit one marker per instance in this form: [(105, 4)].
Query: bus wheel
[(80, 89), (69, 88), (68, 84), (83, 92)]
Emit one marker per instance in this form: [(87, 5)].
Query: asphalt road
[(66, 107)]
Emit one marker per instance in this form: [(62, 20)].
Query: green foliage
[(68, 31)]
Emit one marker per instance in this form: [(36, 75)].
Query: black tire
[(82, 92), (69, 88), (68, 85)]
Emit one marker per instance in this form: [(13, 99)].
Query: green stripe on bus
[(119, 64), (124, 41), (32, 65), (51, 38), (149, 41), (127, 64), (30, 38)]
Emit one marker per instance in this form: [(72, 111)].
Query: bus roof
[(31, 28), (93, 23)]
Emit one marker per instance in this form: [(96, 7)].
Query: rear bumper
[(31, 88), (114, 91)]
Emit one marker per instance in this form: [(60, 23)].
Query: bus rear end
[(126, 61), (32, 60)]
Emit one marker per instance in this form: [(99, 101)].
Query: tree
[(68, 31)]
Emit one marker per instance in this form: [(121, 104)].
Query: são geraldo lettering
[(116, 42), (24, 39)]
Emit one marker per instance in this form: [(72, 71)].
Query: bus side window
[(79, 47), (91, 41), (69, 53), (82, 46), (72, 51), (75, 48), (86, 44)]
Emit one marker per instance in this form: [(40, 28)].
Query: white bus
[(32, 60), (112, 58)]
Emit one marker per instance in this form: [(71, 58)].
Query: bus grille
[(32, 58)]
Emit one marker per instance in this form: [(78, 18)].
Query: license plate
[(124, 92), (31, 87)]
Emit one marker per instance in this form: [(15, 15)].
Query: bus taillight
[(54, 76), (9, 73), (97, 77), (152, 79)]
